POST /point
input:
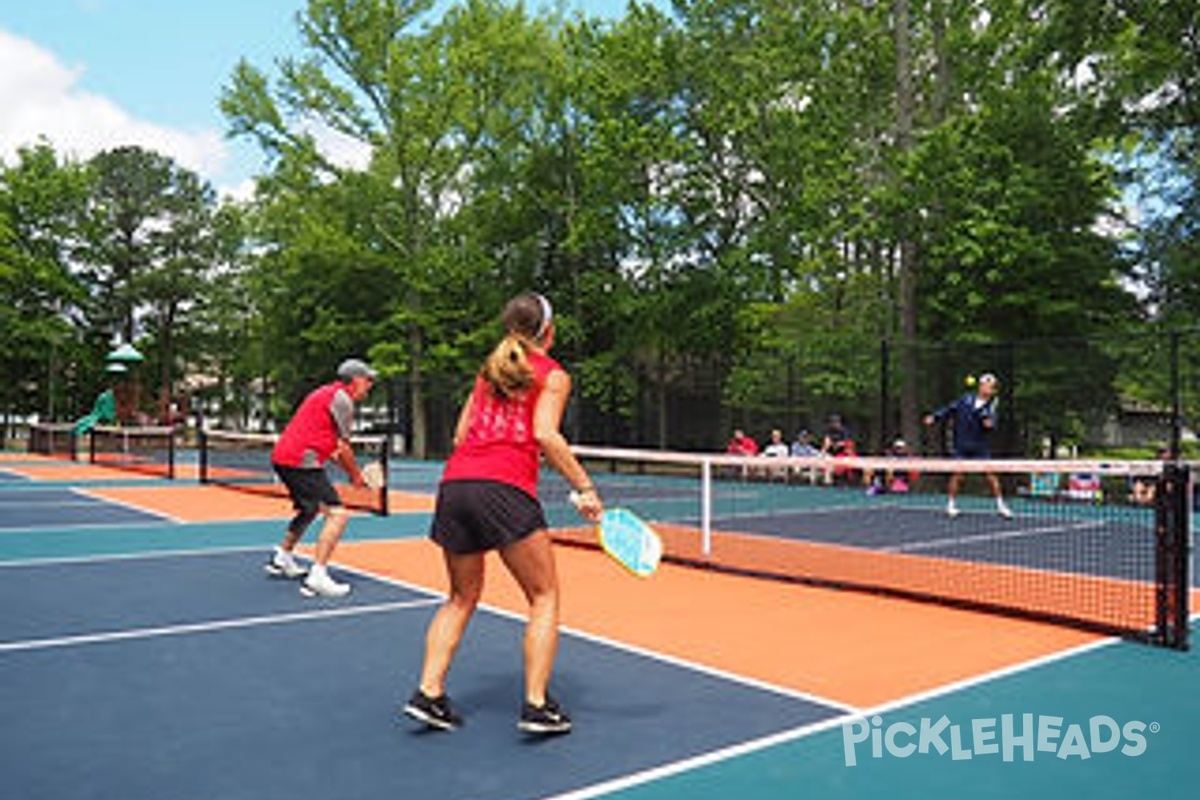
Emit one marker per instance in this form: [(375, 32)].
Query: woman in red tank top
[(487, 500)]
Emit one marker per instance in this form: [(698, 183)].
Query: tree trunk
[(908, 266), (416, 395), (165, 392)]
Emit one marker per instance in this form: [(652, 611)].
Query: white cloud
[(240, 192), (41, 98), (343, 150)]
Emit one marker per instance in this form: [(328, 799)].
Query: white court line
[(85, 527), (27, 503), (769, 512), (436, 597), (692, 666), (99, 558), (206, 627), (990, 537), (680, 663), (131, 506), (804, 731), (754, 745), (91, 500)]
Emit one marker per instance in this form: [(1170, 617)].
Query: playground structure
[(117, 404), (103, 410)]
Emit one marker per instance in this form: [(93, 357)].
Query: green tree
[(191, 243), (150, 244), (436, 110), (40, 200), (129, 186)]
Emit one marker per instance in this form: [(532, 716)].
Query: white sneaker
[(1003, 510), (318, 583), (951, 510), (282, 564)]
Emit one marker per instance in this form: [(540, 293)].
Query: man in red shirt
[(319, 430), (741, 444)]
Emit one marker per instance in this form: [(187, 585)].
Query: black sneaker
[(546, 718), (433, 711)]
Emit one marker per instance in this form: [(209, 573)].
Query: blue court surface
[(194, 676), (34, 508)]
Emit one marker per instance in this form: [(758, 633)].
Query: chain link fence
[(1130, 394)]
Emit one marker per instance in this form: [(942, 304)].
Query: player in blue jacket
[(974, 420)]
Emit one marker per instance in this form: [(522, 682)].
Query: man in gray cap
[(319, 430)]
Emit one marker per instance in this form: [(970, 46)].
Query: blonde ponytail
[(508, 369)]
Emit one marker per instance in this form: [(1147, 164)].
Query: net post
[(384, 458), (706, 505), (202, 442), (1171, 558)]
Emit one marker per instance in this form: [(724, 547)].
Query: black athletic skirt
[(473, 516)]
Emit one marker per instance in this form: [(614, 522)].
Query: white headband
[(547, 315)]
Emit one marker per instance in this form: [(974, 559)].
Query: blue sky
[(91, 74)]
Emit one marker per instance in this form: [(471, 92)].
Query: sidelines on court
[(804, 731), (619, 645), (131, 506), (170, 666), (206, 627)]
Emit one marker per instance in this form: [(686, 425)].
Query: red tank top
[(499, 444), (311, 428)]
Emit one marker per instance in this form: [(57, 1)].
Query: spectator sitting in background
[(838, 443), (742, 445), (836, 436), (776, 448), (893, 480), (841, 474), (803, 447), (1143, 488)]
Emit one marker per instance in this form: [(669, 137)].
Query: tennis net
[(242, 461), (54, 439), (1102, 546), (148, 450)]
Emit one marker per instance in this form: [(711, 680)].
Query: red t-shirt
[(742, 446), (499, 444), (312, 433)]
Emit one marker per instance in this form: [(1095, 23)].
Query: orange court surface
[(851, 647)]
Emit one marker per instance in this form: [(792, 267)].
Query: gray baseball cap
[(355, 368)]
